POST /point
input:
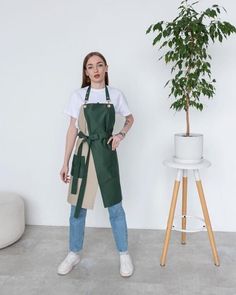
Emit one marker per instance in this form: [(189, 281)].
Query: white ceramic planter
[(188, 149)]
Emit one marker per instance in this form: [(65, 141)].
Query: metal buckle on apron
[(108, 103)]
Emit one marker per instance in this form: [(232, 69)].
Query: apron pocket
[(110, 168), (78, 166)]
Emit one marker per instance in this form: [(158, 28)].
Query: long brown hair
[(86, 80)]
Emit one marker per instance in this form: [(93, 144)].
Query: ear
[(106, 68)]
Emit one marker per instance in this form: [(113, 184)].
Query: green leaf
[(179, 74), (157, 26), (149, 29), (158, 38), (167, 83), (220, 37), (163, 44), (170, 43)]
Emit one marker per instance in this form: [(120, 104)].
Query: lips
[(96, 76)]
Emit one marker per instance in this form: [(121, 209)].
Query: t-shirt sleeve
[(122, 108), (73, 106)]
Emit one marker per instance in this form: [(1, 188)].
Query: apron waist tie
[(89, 139)]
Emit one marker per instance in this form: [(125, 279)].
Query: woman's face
[(96, 69)]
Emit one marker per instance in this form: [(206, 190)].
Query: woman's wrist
[(122, 134), (65, 164)]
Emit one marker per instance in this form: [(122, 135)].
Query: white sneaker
[(126, 265), (68, 263)]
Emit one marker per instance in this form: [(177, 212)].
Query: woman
[(92, 109)]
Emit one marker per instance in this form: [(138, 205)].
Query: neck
[(98, 85)]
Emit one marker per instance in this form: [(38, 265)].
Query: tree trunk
[(187, 116)]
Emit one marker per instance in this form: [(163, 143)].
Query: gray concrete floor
[(29, 266)]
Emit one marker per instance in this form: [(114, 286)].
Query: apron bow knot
[(92, 137), (88, 138)]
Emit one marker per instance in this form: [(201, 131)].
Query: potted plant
[(186, 40)]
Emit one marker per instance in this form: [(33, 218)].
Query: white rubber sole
[(126, 275), (68, 271)]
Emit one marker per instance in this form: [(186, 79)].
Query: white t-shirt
[(97, 95)]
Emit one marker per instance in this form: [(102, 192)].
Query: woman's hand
[(116, 139), (64, 174)]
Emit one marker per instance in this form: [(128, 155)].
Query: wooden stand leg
[(171, 217), (184, 206), (206, 217)]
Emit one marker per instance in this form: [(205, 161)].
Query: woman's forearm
[(128, 123), (70, 142)]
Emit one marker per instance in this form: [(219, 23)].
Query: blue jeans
[(118, 224)]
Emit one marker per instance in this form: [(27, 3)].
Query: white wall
[(43, 44)]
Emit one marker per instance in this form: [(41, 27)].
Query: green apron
[(100, 118)]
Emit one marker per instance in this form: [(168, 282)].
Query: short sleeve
[(123, 108), (73, 107)]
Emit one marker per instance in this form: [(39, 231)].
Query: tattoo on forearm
[(127, 122)]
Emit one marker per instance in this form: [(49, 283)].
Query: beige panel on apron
[(92, 182)]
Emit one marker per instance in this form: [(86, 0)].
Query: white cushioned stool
[(12, 218)]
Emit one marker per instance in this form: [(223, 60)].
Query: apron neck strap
[(107, 94), (88, 92)]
